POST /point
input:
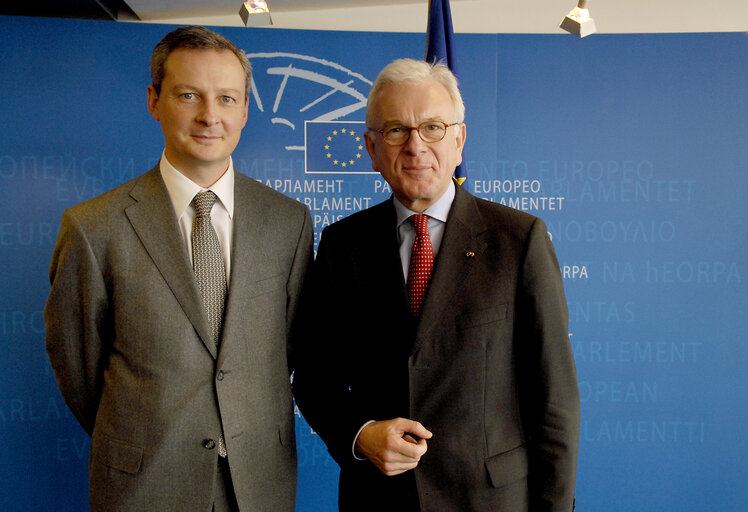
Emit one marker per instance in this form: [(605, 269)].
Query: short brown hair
[(199, 38)]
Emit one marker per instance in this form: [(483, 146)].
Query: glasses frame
[(410, 132)]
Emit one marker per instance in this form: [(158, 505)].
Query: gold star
[(352, 162), (343, 130), (327, 146), (329, 155), (335, 132), (358, 155), (358, 139), (335, 162), (343, 164), (329, 138), (360, 147)]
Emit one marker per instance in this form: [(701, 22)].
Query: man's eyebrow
[(391, 122), (231, 90), (225, 90)]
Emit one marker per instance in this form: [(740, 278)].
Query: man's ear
[(462, 137), (246, 111), (369, 141), (460, 140), (153, 102)]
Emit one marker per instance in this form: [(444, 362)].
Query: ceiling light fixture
[(255, 14), (578, 21)]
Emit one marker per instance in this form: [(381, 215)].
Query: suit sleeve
[(297, 288), (550, 392), (325, 401), (77, 321)]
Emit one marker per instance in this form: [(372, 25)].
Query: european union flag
[(440, 47), (336, 147)]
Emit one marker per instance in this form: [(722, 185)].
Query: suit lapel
[(153, 219), (382, 255), (249, 252), (459, 252)]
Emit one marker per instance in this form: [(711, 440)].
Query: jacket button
[(209, 444), (220, 375)]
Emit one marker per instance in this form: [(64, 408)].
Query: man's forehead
[(424, 100), (426, 118), (181, 68), (208, 54)]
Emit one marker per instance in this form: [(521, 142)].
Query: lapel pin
[(470, 254)]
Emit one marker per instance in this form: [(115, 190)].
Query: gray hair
[(198, 38), (411, 70)]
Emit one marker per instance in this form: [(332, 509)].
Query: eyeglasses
[(429, 131)]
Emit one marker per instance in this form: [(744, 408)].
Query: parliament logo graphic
[(314, 107)]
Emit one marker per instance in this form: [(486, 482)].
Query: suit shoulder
[(361, 221), (100, 207), (505, 217)]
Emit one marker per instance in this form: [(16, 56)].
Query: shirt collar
[(182, 189), (439, 210)]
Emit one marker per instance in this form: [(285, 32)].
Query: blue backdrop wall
[(633, 148)]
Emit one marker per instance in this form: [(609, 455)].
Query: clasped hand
[(393, 446)]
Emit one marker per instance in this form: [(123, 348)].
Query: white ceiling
[(472, 16)]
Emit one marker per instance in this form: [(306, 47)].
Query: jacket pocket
[(481, 317), (507, 467), (268, 285), (117, 454)]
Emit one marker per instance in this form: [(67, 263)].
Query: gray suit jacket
[(488, 368), (132, 352)]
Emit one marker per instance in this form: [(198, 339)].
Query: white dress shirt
[(182, 190), (406, 232)]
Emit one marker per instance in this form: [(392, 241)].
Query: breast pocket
[(481, 317), (466, 343), (271, 284)]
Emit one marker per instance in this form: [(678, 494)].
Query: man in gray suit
[(184, 388), (450, 387)]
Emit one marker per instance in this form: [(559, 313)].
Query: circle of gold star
[(332, 138)]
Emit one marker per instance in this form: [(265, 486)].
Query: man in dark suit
[(465, 399), (182, 376)]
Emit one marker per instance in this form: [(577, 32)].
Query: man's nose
[(415, 143), (207, 114)]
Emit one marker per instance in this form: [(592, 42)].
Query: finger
[(387, 471), (411, 449), (410, 426), (419, 430), (395, 467)]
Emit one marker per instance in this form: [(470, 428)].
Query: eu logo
[(336, 147)]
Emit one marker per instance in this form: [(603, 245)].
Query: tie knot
[(203, 203), (421, 223)]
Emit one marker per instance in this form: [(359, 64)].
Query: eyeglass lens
[(431, 131)]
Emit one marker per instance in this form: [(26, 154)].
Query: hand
[(393, 446)]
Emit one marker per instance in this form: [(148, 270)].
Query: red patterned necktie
[(421, 263)]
